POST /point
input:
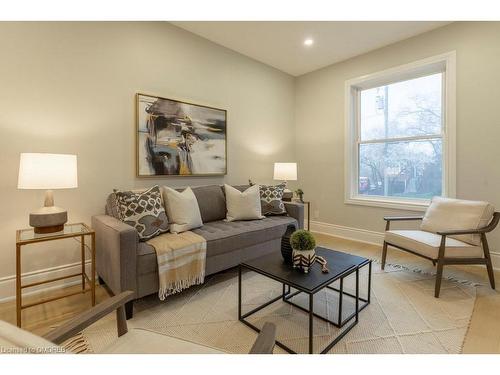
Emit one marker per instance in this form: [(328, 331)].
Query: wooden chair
[(452, 232), (139, 341)]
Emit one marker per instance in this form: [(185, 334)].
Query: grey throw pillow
[(271, 199), (143, 210)]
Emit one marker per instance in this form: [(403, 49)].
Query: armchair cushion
[(427, 244), (453, 214), (15, 340), (142, 341)]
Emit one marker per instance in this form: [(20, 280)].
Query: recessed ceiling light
[(308, 42)]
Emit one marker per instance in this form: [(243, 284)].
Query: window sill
[(397, 204)]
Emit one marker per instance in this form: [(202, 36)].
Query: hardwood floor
[(42, 318), (483, 335)]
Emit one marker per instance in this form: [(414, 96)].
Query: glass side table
[(77, 231)]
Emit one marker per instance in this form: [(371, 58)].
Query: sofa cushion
[(182, 208), (271, 199), (455, 214), (111, 208), (211, 201), (144, 211), (223, 237), (243, 205), (241, 188), (427, 244)]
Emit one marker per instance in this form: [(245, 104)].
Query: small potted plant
[(303, 253)]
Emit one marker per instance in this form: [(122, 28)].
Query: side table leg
[(357, 295), (311, 317), (82, 250), (92, 287), (369, 281), (239, 292), (18, 285), (341, 296)]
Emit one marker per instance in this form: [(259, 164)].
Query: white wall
[(320, 123), (69, 88)]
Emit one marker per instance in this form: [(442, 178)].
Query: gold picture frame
[(175, 138)]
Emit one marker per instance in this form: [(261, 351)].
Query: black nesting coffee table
[(340, 266)]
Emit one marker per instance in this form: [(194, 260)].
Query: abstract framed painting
[(175, 138)]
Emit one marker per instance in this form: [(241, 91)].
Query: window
[(400, 135)]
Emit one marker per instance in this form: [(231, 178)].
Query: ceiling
[(281, 44)]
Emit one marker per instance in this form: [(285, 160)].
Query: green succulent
[(302, 240)]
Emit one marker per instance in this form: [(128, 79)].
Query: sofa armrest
[(295, 210), (116, 253)]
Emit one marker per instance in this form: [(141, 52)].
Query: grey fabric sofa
[(124, 263)]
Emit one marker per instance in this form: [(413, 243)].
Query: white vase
[(303, 259)]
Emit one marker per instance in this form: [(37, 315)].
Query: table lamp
[(286, 172), (47, 171)]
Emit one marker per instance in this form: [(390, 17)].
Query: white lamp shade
[(285, 171), (47, 171)]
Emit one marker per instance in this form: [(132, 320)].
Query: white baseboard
[(8, 283), (368, 236), (355, 234)]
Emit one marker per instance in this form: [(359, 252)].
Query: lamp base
[(48, 219), (46, 230)]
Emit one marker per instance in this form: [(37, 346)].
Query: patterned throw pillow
[(271, 199), (143, 211)]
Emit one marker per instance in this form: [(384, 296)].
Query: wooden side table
[(77, 231)]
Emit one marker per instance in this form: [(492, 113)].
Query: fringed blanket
[(181, 261)]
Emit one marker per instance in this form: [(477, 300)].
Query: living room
[(253, 185)]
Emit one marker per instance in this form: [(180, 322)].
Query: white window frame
[(446, 64)]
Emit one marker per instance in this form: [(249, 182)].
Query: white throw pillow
[(243, 205), (182, 209)]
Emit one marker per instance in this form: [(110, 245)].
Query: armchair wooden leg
[(489, 266), (491, 274), (129, 310), (121, 321), (384, 254), (439, 277)]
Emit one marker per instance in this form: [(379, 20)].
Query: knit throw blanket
[(181, 261)]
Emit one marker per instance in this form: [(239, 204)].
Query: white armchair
[(452, 231)]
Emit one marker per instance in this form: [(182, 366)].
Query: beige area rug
[(403, 317)]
